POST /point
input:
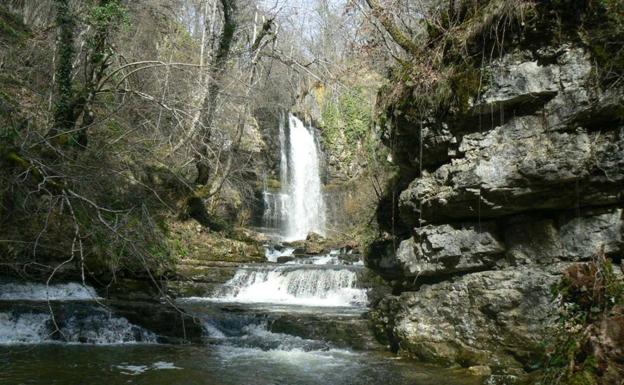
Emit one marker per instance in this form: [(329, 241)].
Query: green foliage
[(586, 295), (106, 19), (109, 15), (465, 84), (347, 119), (356, 113), (8, 135), (604, 34), (180, 248), (12, 28)]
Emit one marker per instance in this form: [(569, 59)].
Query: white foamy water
[(275, 208), (299, 207), (24, 328), (283, 349), (294, 286), (272, 254), (333, 258), (98, 329), (40, 292), (133, 370), (254, 341), (306, 209)]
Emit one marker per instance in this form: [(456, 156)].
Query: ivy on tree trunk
[(64, 109)]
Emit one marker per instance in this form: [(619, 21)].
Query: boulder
[(285, 259), (496, 318), (444, 250)]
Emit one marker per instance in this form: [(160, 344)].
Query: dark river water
[(210, 365)]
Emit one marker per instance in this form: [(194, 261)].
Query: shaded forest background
[(120, 119)]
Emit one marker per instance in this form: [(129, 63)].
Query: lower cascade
[(294, 285), (71, 291), (98, 328)]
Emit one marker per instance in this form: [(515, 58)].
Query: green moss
[(465, 83), (274, 184)]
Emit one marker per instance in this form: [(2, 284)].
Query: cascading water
[(295, 285), (97, 328), (299, 207), (71, 291), (78, 317)]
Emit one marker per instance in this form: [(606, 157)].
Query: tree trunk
[(219, 66), (64, 119), (393, 30)]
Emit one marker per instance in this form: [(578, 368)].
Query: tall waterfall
[(298, 208)]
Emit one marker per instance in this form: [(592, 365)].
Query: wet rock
[(380, 256), (250, 236), (185, 289), (342, 331), (87, 320), (285, 259), (480, 370), (205, 273), (164, 319), (314, 237), (315, 244)]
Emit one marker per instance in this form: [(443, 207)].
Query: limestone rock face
[(521, 78), (439, 250), (487, 318), (525, 181), (519, 167)]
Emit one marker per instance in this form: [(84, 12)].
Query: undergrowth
[(590, 297)]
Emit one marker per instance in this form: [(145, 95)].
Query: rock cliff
[(525, 178)]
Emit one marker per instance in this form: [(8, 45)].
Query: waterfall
[(299, 207), (294, 286), (306, 207)]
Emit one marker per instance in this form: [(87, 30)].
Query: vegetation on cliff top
[(444, 68)]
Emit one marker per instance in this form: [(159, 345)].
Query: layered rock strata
[(527, 181)]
